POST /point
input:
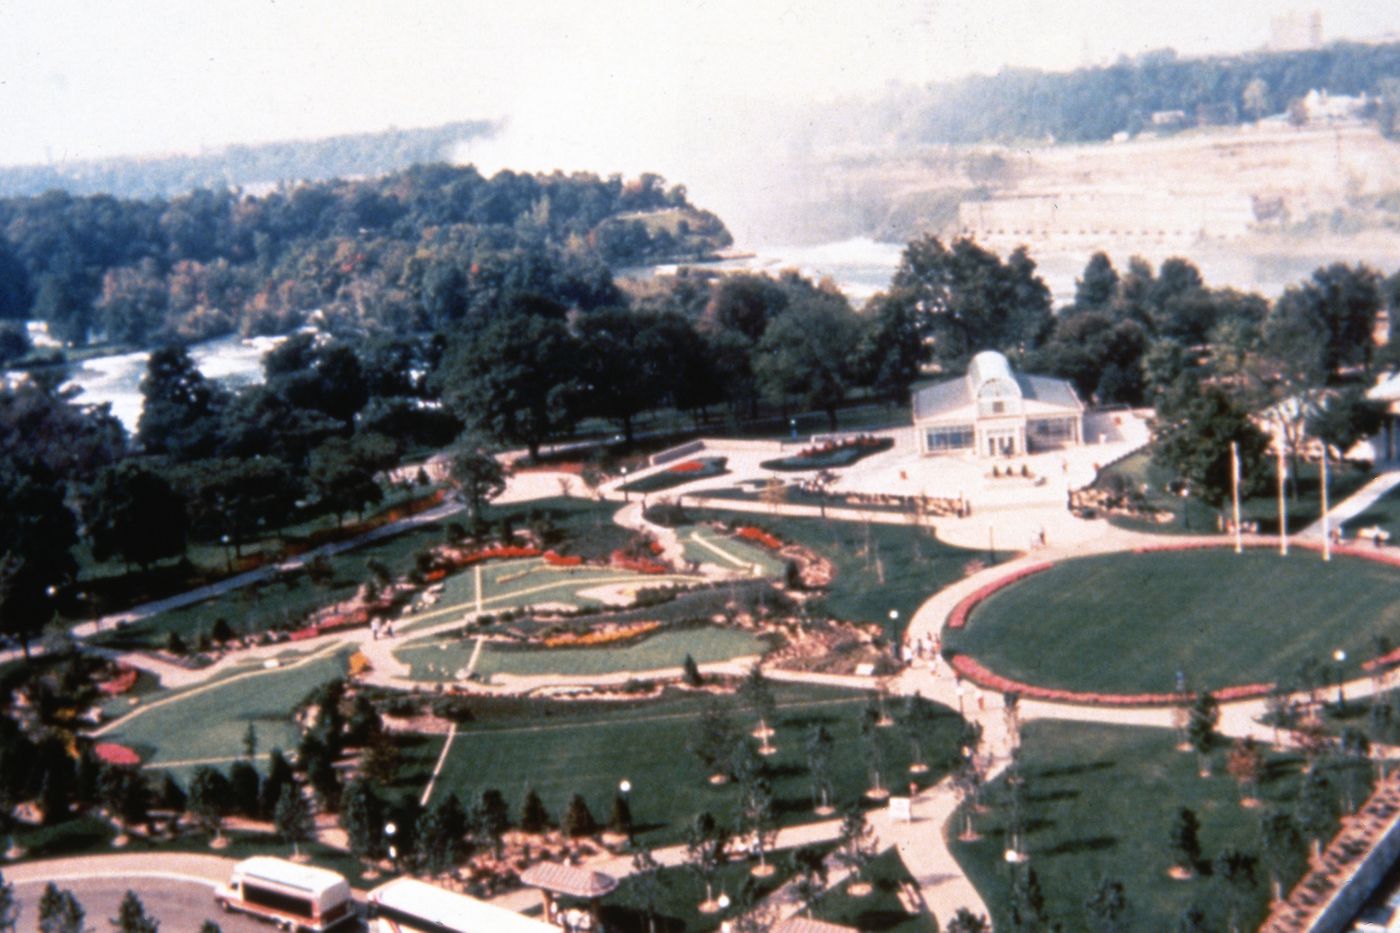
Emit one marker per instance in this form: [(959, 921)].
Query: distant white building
[(995, 412)]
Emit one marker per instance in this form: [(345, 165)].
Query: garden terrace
[(1127, 623)]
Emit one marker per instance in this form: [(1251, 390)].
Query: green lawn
[(273, 604), (682, 892), (441, 659), (1195, 516), (591, 751), (707, 546), (209, 721), (1128, 622), (1100, 802), (513, 584), (878, 567), (881, 909)]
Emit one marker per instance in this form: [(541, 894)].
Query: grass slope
[(648, 745), (1101, 800)]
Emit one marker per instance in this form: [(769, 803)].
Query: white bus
[(295, 897), (408, 906)]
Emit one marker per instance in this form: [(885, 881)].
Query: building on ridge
[(995, 412)]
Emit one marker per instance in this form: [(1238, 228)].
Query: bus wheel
[(223, 905)]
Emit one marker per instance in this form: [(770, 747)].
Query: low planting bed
[(678, 474), (831, 455)]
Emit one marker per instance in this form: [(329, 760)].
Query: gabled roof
[(941, 398), (568, 881), (1050, 391)]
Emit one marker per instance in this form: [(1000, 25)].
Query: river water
[(116, 380)]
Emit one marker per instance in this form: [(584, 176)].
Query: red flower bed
[(500, 552), (637, 564), (958, 617), (759, 536), (113, 754), (687, 466), (433, 576), (122, 682), (562, 560), (1386, 660), (969, 667)]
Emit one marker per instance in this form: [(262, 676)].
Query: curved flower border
[(968, 667)]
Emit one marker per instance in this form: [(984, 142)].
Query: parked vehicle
[(295, 897)]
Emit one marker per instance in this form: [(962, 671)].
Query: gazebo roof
[(804, 925), (569, 881)]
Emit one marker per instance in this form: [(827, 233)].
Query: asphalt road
[(180, 906)]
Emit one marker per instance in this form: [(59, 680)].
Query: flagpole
[(1235, 494), (1326, 518), (1282, 507)]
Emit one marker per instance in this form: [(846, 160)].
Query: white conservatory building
[(994, 412)]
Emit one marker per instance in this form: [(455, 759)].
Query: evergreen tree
[(9, 907), (1184, 840), (578, 820), (131, 916), (59, 911), (533, 816), (442, 838), (209, 798), (362, 817), (292, 817)]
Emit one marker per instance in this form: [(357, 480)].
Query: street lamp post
[(624, 787), (1340, 657), (793, 424), (626, 496), (894, 632), (389, 830)]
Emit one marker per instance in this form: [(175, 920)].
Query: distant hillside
[(243, 166), (1092, 104)]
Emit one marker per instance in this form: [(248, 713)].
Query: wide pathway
[(1355, 504)]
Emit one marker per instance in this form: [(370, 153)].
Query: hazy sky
[(584, 82)]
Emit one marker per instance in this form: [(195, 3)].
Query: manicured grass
[(441, 659), (508, 585), (589, 752), (278, 603), (881, 909), (209, 721), (677, 910), (1138, 471), (1126, 623), (878, 567), (1100, 804), (707, 546)]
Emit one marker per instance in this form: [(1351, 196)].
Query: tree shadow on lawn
[(880, 919), (1050, 796), (1072, 770), (807, 721), (1073, 846)]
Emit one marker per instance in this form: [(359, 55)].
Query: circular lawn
[(1127, 623)]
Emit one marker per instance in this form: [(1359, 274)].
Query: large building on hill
[(995, 412)]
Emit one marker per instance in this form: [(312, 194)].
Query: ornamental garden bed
[(831, 455), (678, 474)]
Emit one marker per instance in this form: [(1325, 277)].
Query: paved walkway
[(1355, 504)]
